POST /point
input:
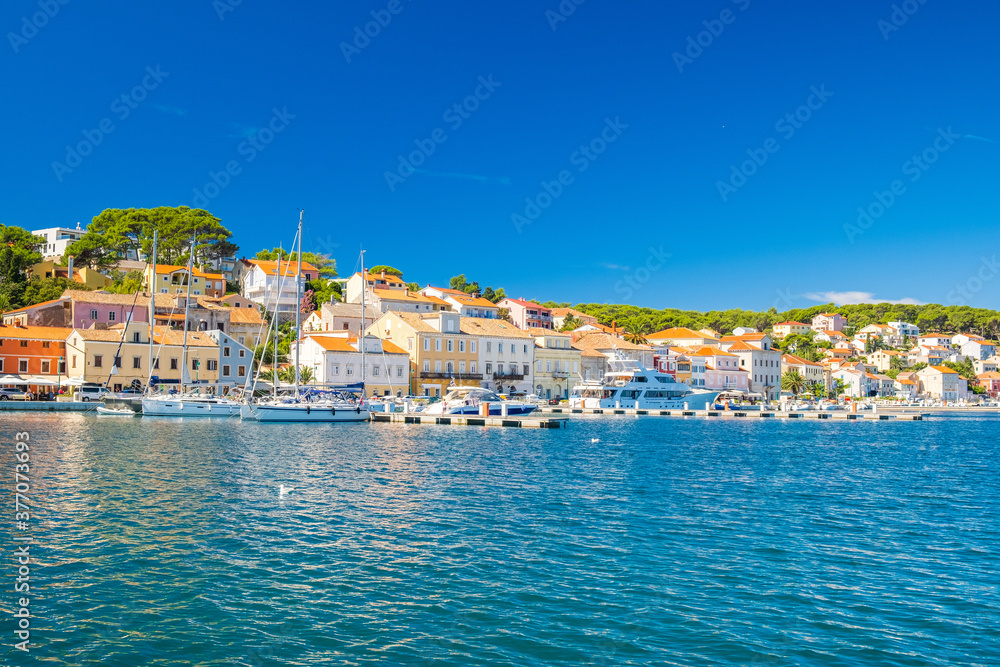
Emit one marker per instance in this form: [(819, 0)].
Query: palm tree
[(4, 303), (793, 381), (817, 389), (571, 322), (636, 329), (288, 375)]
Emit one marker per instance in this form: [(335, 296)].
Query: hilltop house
[(828, 322), (527, 314)]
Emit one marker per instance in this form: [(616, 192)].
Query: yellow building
[(440, 354), (173, 280), (782, 329), (557, 363), (119, 355), (92, 279)]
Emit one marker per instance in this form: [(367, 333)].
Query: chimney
[(383, 275), (69, 272), (406, 291)]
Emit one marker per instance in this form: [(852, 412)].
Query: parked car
[(555, 401), (91, 392), (12, 394)]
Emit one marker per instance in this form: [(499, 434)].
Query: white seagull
[(284, 490)]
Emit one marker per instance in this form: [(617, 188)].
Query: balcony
[(450, 376), (560, 374), (507, 377)]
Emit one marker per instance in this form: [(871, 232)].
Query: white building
[(57, 239), (335, 358), (506, 354), (466, 305), (905, 329), (941, 382), (260, 282), (235, 362), (758, 357)]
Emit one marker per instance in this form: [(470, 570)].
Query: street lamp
[(59, 376)]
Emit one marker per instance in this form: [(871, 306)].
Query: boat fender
[(358, 410), (307, 409), (333, 411)]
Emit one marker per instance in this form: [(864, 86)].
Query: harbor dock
[(470, 420), (760, 414)]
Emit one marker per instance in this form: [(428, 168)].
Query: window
[(409, 344), (226, 351), (74, 362), (241, 370), (213, 365), (173, 364), (136, 362), (575, 366), (451, 345), (335, 369), (22, 366), (427, 344), (98, 361), (243, 353), (548, 366), (538, 366), (527, 369), (24, 343), (489, 368), (513, 348), (350, 369), (451, 367), (437, 366), (111, 316), (526, 349), (242, 340), (461, 367), (472, 367), (437, 344), (489, 344), (461, 346), (399, 371), (156, 364), (375, 371), (195, 364), (118, 361), (46, 344), (427, 366), (62, 366), (93, 314), (472, 347)]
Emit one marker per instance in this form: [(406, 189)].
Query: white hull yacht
[(628, 384)]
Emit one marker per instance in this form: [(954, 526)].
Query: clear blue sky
[(777, 239)]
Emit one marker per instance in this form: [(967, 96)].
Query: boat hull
[(179, 408), (304, 413), (495, 410), (694, 401)]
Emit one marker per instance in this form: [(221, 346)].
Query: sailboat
[(333, 405), (181, 403)]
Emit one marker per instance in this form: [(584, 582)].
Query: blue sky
[(645, 140)]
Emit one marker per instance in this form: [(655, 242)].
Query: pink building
[(527, 314), (828, 322), (80, 309), (722, 370)]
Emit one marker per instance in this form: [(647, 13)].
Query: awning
[(72, 382), (12, 379), (41, 381)]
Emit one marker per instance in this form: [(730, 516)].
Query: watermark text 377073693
[(22, 541)]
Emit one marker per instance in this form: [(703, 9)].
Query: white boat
[(468, 401), (311, 406), (189, 405), (629, 384), (116, 412)]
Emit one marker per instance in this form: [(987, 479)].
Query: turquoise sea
[(615, 541)]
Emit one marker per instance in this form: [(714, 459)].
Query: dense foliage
[(327, 266)]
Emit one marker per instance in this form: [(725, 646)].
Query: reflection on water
[(165, 542)]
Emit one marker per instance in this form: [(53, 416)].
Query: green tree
[(389, 270), (503, 314), (324, 291), (38, 289), (793, 381), (113, 233), (817, 389), (18, 253), (413, 287), (125, 283), (570, 323), (636, 329)]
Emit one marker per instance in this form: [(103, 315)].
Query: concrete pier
[(841, 415), (470, 420), (48, 406)]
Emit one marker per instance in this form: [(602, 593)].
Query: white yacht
[(467, 401), (628, 384), (308, 407), (189, 405)]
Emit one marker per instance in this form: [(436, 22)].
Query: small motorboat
[(115, 412)]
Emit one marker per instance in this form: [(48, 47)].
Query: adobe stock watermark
[(900, 15), (30, 26), (122, 107), (714, 28), (454, 116), (786, 126), (249, 149), (581, 158), (363, 36), (915, 167), (963, 292), (561, 13), (636, 278), (223, 7)]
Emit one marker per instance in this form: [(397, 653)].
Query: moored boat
[(629, 384)]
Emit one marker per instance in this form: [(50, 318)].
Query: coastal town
[(423, 340)]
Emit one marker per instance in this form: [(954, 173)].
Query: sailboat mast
[(298, 303), (152, 305), (274, 322), (187, 303), (361, 338)]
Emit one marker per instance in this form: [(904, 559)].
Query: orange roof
[(270, 267), (165, 336), (170, 268), (677, 333), (470, 300), (912, 382), (603, 341), (741, 346), (34, 333), (389, 278), (989, 375), (796, 361), (34, 305), (709, 351), (749, 336), (342, 344), (402, 295), (943, 369)]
